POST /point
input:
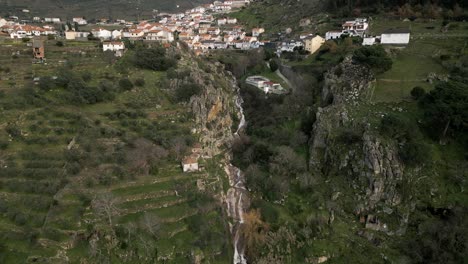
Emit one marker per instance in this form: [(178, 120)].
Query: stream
[(237, 199)]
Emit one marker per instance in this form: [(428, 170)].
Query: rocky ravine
[(371, 164), (215, 111)]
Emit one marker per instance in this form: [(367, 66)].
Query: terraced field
[(60, 161)]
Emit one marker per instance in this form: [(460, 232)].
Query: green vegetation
[(375, 57), (302, 213), (91, 167), (97, 9)]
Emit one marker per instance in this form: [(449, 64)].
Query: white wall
[(402, 38)]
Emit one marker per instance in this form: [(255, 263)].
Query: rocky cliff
[(214, 109), (348, 147)]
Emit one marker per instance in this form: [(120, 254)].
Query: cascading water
[(237, 196)]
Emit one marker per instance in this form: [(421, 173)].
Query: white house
[(190, 164), (133, 33), (368, 41), (222, 21), (333, 35), (80, 21), (232, 20), (2, 22), (116, 46), (397, 36), (357, 27), (102, 33), (116, 34), (257, 32), (74, 35), (160, 35), (257, 81), (52, 20)]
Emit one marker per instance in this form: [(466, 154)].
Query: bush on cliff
[(375, 57)]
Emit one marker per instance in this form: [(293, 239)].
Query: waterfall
[(237, 197)]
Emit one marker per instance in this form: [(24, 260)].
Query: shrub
[(153, 59), (350, 137), (46, 83), (185, 91), (445, 57), (140, 82), (13, 130), (375, 57), (414, 153), (125, 84), (274, 65), (59, 43), (86, 76), (417, 92)]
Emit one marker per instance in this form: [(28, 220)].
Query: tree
[(414, 153), (140, 82), (253, 230), (375, 57), (153, 59), (185, 91), (151, 223), (125, 84), (143, 154), (417, 92), (274, 65), (446, 109), (46, 83), (105, 205), (179, 146)]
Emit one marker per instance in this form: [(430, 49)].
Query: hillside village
[(203, 28)]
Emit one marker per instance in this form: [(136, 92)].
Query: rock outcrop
[(214, 109), (342, 146)]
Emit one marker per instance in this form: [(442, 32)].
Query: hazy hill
[(95, 8)]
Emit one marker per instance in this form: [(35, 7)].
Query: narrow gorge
[(220, 119)]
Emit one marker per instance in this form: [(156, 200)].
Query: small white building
[(190, 164), (2, 22), (52, 20), (232, 20), (80, 21), (116, 34), (333, 35), (397, 36), (76, 35), (257, 32), (358, 26), (368, 41), (102, 33), (222, 21), (116, 46)]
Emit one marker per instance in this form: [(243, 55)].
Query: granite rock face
[(369, 163)]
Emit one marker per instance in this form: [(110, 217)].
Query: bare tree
[(287, 163), (179, 146), (143, 154), (254, 230), (105, 205), (151, 223)]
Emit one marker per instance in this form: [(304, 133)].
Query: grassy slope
[(95, 8), (43, 205), (413, 64)]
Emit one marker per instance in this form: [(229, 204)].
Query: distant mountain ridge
[(125, 9)]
